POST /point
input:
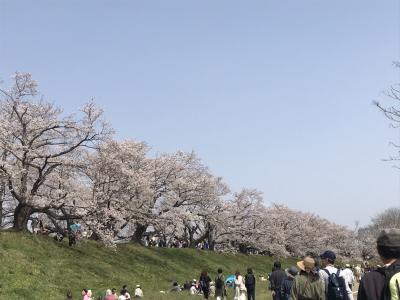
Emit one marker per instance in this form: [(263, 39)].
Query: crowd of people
[(110, 294), (312, 278), (319, 279)]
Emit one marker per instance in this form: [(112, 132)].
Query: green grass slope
[(36, 267)]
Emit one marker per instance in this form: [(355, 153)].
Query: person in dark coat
[(276, 278), (287, 283), (377, 285), (205, 284), (69, 296), (250, 283)]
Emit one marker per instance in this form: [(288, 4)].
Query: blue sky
[(273, 95)]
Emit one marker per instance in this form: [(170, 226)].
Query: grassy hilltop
[(36, 267)]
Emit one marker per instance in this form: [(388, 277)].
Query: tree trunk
[(2, 194), (191, 233), (139, 231), (21, 216)]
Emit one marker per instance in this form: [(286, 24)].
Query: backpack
[(392, 280), (219, 283), (250, 281), (203, 284), (336, 287)]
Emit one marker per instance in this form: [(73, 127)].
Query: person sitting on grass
[(175, 287), (124, 294), (109, 295), (193, 290), (85, 294), (69, 296), (138, 292)]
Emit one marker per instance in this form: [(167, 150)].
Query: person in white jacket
[(138, 291), (348, 275), (240, 288)]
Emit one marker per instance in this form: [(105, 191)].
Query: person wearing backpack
[(220, 288), (205, 284), (275, 280), (336, 286), (384, 283), (250, 283)]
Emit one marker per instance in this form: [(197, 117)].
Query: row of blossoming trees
[(67, 169)]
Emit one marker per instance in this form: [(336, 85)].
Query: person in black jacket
[(205, 284), (376, 285), (250, 283), (276, 278)]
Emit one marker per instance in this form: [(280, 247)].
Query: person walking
[(308, 285), (287, 283), (336, 285), (220, 287), (205, 284), (384, 283), (240, 287), (276, 278), (358, 272), (250, 283), (348, 275)]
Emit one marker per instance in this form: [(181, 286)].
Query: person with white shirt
[(348, 275), (327, 261), (138, 291), (193, 290)]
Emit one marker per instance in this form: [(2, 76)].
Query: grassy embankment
[(36, 267)]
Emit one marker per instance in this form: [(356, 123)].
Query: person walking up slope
[(276, 279), (348, 275), (250, 283), (240, 288), (384, 283), (220, 288), (308, 285), (336, 286), (287, 283)]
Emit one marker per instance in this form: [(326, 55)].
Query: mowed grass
[(37, 267)]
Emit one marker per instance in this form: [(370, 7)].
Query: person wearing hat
[(193, 290), (287, 283), (348, 275), (138, 291), (384, 283), (327, 263), (307, 284)]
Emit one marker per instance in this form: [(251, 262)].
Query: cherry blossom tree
[(40, 147), (68, 168), (118, 179), (184, 192)]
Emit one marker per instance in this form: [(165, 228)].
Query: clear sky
[(273, 95)]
